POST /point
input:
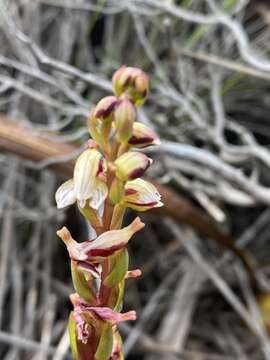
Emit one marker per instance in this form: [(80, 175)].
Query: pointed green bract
[(119, 263), (105, 344), (121, 289), (80, 283)]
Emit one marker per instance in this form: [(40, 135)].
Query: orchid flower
[(88, 183), (95, 251), (141, 195)]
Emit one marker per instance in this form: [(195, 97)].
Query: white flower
[(88, 183)]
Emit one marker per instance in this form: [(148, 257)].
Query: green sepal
[(81, 285), (119, 263), (105, 345), (91, 215), (73, 337), (121, 290)]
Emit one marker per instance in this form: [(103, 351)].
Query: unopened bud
[(131, 165), (124, 117), (142, 136), (105, 107), (133, 82)]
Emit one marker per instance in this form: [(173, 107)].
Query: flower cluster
[(106, 181)]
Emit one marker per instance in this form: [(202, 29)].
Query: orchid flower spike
[(106, 181)]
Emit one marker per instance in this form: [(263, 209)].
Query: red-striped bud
[(133, 82), (142, 136), (105, 107), (131, 165)]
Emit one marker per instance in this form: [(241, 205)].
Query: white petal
[(99, 195), (65, 194), (91, 232), (100, 210), (113, 238), (85, 173), (146, 192)]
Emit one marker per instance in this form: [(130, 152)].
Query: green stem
[(117, 217)]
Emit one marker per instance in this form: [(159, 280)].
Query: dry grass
[(210, 104)]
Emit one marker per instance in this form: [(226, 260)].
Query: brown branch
[(24, 142)]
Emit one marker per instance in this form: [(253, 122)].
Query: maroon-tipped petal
[(105, 251), (153, 203), (130, 192), (138, 141), (139, 171), (103, 113)]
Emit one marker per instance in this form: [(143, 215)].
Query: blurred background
[(205, 255)]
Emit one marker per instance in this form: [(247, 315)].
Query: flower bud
[(133, 82), (142, 136), (131, 165), (105, 107), (124, 117), (141, 195)]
